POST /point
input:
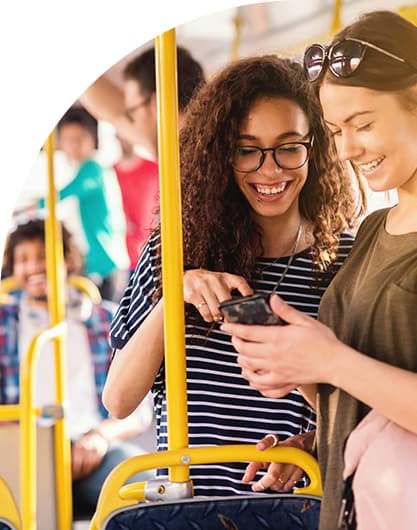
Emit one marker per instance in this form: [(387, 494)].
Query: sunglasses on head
[(343, 57)]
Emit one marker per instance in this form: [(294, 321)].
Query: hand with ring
[(206, 289), (279, 476)]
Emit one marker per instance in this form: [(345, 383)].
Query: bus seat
[(238, 512), (122, 506)]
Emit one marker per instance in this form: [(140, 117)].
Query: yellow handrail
[(8, 284), (86, 286), (337, 17), (28, 426), (12, 412), (114, 496), (56, 304), (171, 240), (81, 283), (237, 21)]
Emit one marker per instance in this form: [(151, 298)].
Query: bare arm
[(134, 367), (105, 101), (275, 359), (388, 389), (132, 425)]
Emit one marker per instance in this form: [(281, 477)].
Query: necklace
[(290, 260)]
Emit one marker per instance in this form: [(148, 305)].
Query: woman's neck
[(402, 219), (278, 238)]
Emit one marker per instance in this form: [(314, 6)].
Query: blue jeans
[(85, 491)]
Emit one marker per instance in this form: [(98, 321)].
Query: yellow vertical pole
[(27, 447), (172, 254), (56, 303), (237, 35), (337, 17)]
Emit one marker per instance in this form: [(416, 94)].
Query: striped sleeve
[(136, 302)]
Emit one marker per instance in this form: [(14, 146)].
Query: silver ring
[(261, 483), (201, 304), (274, 437)]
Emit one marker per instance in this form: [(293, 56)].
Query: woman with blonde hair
[(363, 352)]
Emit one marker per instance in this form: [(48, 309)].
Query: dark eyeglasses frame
[(327, 57), (263, 150), (130, 110)]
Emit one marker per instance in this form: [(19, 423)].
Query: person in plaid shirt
[(99, 442)]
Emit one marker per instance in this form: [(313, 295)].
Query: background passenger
[(77, 138), (138, 180), (99, 442), (132, 111), (265, 201), (134, 115)]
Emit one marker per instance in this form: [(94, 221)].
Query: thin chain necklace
[(290, 260)]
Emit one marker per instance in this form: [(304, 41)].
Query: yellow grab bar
[(86, 286), (114, 496), (28, 426), (56, 305), (171, 240), (337, 17), (12, 412), (81, 283)]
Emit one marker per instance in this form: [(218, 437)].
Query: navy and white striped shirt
[(222, 408)]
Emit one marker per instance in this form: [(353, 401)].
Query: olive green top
[(371, 305)]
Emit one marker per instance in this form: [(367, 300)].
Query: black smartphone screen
[(253, 309)]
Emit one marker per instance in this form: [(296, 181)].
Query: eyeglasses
[(344, 57), (291, 155), (130, 110)]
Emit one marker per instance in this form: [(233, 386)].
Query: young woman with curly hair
[(265, 200)]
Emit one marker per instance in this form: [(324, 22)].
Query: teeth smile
[(370, 166), (270, 190)]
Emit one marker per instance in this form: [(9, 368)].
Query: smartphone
[(253, 309)]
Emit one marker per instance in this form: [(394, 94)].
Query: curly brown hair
[(218, 227)]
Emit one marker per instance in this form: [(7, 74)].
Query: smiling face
[(375, 132), (270, 190), (29, 268)]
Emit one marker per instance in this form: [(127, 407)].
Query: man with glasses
[(133, 113)]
